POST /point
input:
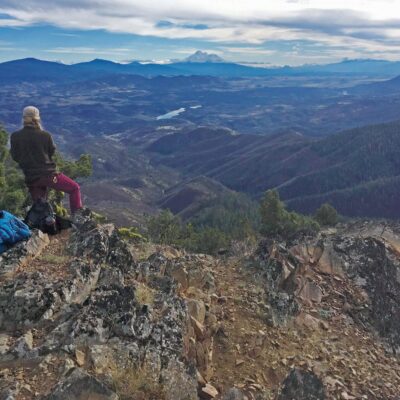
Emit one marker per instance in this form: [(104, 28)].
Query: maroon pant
[(61, 182)]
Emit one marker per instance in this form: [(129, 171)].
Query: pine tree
[(276, 220), (327, 215), (164, 228), (273, 213), (13, 192)]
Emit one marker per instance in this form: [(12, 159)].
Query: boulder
[(305, 320), (375, 264), (177, 270), (8, 393), (179, 383), (101, 244), (4, 343), (209, 392), (20, 254), (302, 385), (196, 309), (282, 308), (24, 345), (330, 262), (233, 394), (199, 329), (78, 385), (30, 299), (279, 268), (309, 292)]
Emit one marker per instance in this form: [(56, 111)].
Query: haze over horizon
[(285, 32)]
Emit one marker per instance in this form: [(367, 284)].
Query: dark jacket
[(33, 150)]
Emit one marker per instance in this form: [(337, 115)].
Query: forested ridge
[(355, 170)]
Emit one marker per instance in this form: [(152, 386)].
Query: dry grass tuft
[(132, 382), (53, 259), (144, 294)]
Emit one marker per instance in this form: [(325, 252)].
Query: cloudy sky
[(260, 31)]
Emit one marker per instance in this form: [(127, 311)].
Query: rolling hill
[(382, 88), (358, 171)]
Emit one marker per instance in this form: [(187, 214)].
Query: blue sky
[(275, 32)]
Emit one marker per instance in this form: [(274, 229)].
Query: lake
[(171, 114)]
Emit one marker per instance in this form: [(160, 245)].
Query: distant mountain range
[(113, 111), (358, 171), (200, 63)]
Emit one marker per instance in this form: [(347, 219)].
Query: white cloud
[(248, 50), (89, 51), (364, 26)]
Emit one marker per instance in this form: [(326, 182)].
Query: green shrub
[(277, 221), (207, 240), (165, 228), (131, 234), (327, 215), (99, 218), (233, 214), (81, 168), (13, 192)]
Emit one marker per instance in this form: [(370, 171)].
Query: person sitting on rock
[(33, 149)]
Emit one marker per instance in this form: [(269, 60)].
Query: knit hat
[(31, 112)]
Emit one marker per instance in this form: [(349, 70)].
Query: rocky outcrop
[(365, 259), (374, 265), (21, 253), (112, 317), (279, 269), (195, 282), (99, 321)]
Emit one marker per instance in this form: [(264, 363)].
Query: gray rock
[(24, 345), (4, 343), (91, 241), (375, 263), (8, 394), (370, 259), (283, 307), (196, 309), (78, 385), (101, 244), (178, 383), (111, 276), (278, 268), (22, 252), (302, 385), (32, 299), (119, 255), (233, 394)]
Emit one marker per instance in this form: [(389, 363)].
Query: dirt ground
[(253, 356)]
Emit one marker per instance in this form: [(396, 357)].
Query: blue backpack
[(12, 230)]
